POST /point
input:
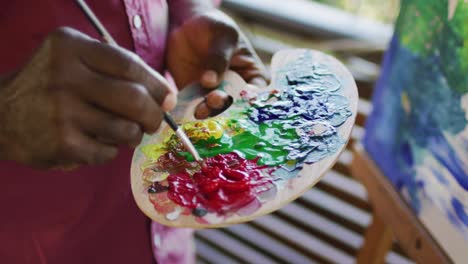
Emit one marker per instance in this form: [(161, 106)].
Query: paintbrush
[(167, 117)]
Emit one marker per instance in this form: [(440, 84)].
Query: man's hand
[(203, 47), (76, 100)]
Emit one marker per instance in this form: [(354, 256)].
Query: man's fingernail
[(210, 77), (259, 81), (202, 111), (217, 99), (169, 102)]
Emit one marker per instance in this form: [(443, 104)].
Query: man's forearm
[(180, 10)]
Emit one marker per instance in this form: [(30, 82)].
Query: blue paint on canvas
[(418, 130)]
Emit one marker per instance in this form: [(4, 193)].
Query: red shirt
[(87, 215)]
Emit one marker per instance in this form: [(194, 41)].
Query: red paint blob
[(227, 183), (161, 203), (172, 163)]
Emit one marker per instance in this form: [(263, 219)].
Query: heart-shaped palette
[(264, 151)]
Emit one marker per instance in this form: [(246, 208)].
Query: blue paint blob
[(309, 102), (406, 154), (462, 216), (445, 154)]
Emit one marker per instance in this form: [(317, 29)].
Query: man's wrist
[(182, 10)]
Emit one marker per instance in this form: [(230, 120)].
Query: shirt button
[(137, 21)]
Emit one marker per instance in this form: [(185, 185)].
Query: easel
[(392, 218)]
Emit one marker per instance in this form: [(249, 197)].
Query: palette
[(270, 146)]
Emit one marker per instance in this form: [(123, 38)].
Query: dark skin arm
[(204, 43), (69, 105)]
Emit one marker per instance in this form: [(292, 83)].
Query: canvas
[(418, 133)]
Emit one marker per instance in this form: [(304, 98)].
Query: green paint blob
[(287, 127), (250, 140)]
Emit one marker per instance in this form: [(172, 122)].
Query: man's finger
[(216, 64), (79, 148), (217, 100), (127, 99), (202, 111), (210, 79), (107, 127), (246, 63), (219, 51), (123, 64)]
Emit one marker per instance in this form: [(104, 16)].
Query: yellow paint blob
[(205, 129), (153, 151)]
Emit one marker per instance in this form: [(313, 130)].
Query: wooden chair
[(392, 218)]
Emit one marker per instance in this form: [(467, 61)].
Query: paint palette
[(270, 146)]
